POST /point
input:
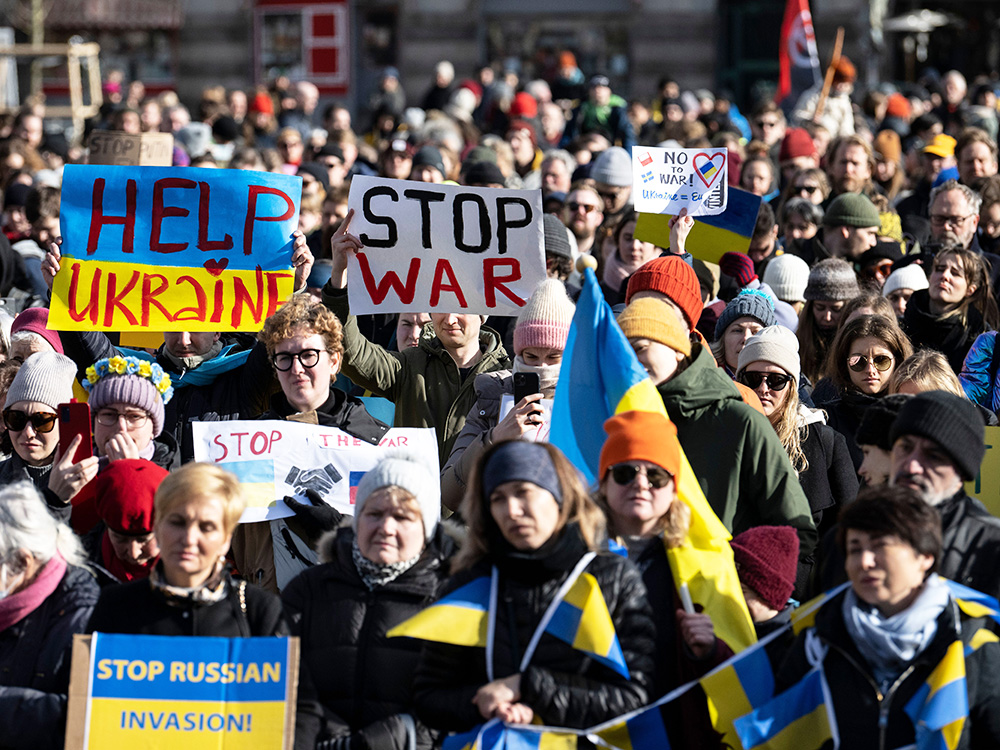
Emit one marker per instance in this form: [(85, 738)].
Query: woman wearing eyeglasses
[(44, 381), (637, 492), (769, 363), (863, 356), (958, 306)]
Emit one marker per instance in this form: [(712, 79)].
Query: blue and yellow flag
[(737, 687), (459, 618), (582, 620), (645, 729), (939, 708), (601, 377), (488, 736), (974, 603), (524, 738), (797, 719)]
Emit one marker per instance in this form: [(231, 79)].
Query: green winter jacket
[(735, 453), (423, 382)]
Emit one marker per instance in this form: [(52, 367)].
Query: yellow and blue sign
[(173, 248), (157, 691)]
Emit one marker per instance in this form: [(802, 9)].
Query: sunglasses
[(776, 381), (41, 421), (807, 189), (625, 474), (574, 207), (859, 362)]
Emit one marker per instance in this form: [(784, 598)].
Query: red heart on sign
[(707, 170), (216, 267)]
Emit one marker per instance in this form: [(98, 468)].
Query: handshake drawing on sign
[(320, 481)]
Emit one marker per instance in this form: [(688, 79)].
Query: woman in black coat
[(355, 683), (189, 591), (48, 598), (532, 522)]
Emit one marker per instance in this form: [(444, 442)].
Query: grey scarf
[(378, 574), (190, 363)]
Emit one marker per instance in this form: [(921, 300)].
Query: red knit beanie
[(672, 277), (524, 105), (767, 559), (125, 492), (739, 266), (36, 320), (797, 142)]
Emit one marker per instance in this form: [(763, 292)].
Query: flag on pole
[(582, 620), (799, 717), (797, 54)]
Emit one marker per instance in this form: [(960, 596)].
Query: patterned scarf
[(211, 591), (378, 574)]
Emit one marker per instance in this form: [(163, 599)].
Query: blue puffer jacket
[(975, 375)]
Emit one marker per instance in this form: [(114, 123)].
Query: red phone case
[(74, 419)]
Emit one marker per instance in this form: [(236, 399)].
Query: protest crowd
[(775, 509)]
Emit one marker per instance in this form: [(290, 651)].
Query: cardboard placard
[(274, 458), (173, 248), (191, 692), (444, 248), (129, 150)]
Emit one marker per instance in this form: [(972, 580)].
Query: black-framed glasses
[(41, 421), (308, 358), (859, 362), (776, 381), (133, 419), (939, 220), (625, 474)]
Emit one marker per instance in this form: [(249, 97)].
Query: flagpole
[(828, 79)]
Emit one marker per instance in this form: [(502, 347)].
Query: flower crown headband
[(119, 365)]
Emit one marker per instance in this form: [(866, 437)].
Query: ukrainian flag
[(798, 719), (805, 616), (459, 618), (601, 377), (974, 603), (582, 620), (488, 736), (737, 687), (522, 738), (645, 729), (939, 708), (256, 480)]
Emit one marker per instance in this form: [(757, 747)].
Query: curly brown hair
[(302, 312)]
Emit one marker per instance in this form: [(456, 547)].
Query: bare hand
[(516, 713), (697, 632), (121, 446), (342, 245), (497, 696), (680, 228), (67, 478), (302, 260), (50, 265), (526, 415)]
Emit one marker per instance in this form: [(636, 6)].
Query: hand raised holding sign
[(50, 265), (302, 260), (680, 228), (342, 244)]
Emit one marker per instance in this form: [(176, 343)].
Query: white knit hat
[(46, 377), (404, 469), (774, 344), (787, 275), (907, 277), (545, 318)]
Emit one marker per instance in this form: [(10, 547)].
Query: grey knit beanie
[(832, 280), (46, 377), (788, 276), (407, 471), (774, 344), (748, 303), (613, 167), (556, 239), (851, 210), (132, 390), (908, 277)]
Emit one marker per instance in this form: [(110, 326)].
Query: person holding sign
[(531, 555), (375, 574), (190, 591), (46, 596), (431, 384)]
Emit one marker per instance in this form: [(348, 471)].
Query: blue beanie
[(748, 303)]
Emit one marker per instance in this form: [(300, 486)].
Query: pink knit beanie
[(544, 320), (132, 390)]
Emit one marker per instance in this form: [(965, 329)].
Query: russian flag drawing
[(355, 480)]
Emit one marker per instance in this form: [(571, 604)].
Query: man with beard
[(954, 211), (851, 166), (937, 445), (583, 214)]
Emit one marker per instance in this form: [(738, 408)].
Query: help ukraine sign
[(195, 693)]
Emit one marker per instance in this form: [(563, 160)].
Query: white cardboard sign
[(665, 180)]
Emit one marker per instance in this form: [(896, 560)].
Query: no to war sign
[(173, 249), (444, 248), (197, 693), (665, 180), (274, 458)]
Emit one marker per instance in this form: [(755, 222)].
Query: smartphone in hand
[(525, 384), (74, 419)]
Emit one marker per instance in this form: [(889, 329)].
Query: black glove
[(313, 520)]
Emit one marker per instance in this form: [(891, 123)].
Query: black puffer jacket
[(139, 608), (868, 719), (358, 680), (844, 413), (240, 392), (35, 656), (562, 685)]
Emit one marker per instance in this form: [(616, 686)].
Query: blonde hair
[(200, 481), (577, 506), (929, 371), (786, 423), (673, 525)]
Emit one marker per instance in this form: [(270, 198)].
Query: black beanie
[(877, 421), (950, 421)]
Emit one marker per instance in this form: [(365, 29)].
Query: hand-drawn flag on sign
[(939, 708), (459, 618), (798, 59), (798, 718), (355, 480), (582, 620), (707, 167), (256, 479)]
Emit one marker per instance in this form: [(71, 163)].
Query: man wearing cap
[(602, 112), (612, 171), (936, 156), (850, 227), (938, 445)]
